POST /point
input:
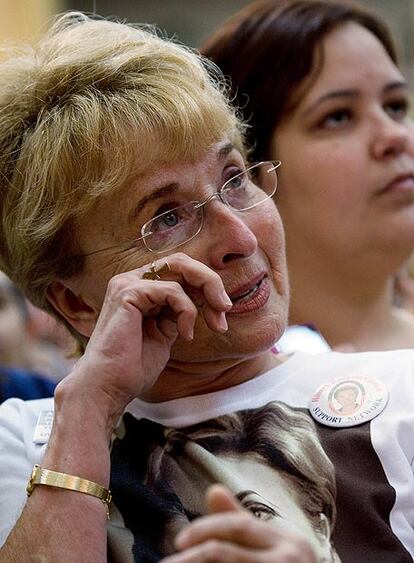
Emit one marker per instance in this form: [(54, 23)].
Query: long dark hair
[(268, 50)]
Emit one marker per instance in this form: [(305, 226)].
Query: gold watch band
[(41, 476)]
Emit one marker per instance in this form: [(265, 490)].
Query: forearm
[(54, 527), (58, 524)]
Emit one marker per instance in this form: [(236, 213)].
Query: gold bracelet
[(50, 478)]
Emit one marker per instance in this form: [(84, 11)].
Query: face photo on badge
[(347, 398)]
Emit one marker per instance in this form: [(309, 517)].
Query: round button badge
[(348, 401)]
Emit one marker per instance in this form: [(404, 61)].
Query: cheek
[(268, 228), (410, 140), (322, 192), (316, 171)]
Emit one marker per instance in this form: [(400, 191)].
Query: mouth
[(402, 183), (250, 296), (247, 289)]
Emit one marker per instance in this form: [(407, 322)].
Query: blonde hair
[(93, 103)]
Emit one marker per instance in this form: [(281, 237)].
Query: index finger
[(184, 269), (236, 527)]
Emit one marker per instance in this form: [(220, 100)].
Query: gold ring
[(153, 273)]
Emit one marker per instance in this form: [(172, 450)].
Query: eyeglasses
[(179, 225)]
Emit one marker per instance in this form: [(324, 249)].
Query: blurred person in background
[(53, 345), (319, 83), (21, 375)]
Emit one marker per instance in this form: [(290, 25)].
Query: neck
[(185, 379), (352, 308)]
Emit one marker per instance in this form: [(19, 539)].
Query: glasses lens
[(251, 187), (173, 228)]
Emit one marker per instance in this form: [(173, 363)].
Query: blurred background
[(190, 21)]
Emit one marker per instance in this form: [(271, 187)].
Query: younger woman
[(320, 86)]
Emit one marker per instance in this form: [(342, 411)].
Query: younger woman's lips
[(403, 183), (256, 299)]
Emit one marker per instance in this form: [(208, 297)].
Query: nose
[(229, 235), (391, 137)]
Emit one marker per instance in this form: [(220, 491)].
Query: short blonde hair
[(93, 103)]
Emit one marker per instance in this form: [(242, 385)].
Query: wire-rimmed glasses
[(179, 225)]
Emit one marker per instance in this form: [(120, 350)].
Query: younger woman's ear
[(72, 307)]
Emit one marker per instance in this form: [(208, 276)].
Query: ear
[(72, 307), (324, 527)]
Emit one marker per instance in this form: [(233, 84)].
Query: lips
[(246, 289), (250, 296), (402, 183)]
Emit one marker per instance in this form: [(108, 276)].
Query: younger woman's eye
[(397, 109), (335, 119)]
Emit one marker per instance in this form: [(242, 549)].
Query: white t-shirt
[(382, 447)]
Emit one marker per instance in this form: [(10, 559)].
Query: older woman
[(319, 82), (128, 209)]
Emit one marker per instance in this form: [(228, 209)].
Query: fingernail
[(223, 323), (226, 299)]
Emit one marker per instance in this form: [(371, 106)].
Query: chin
[(261, 337), (246, 337)]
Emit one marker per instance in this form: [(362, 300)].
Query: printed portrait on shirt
[(270, 458)]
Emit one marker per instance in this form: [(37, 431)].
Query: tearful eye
[(235, 182), (170, 219), (167, 218), (173, 219)]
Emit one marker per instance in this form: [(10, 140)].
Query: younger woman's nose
[(391, 138)]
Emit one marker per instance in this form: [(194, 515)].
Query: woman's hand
[(140, 320), (231, 534)]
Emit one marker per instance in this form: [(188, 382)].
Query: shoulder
[(18, 453)]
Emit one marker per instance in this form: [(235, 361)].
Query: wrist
[(79, 443), (97, 407)]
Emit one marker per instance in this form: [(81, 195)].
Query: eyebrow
[(352, 93), (241, 496), (171, 189)]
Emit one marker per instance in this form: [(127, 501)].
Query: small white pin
[(43, 427), (348, 401)]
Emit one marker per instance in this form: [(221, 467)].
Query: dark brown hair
[(268, 50)]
